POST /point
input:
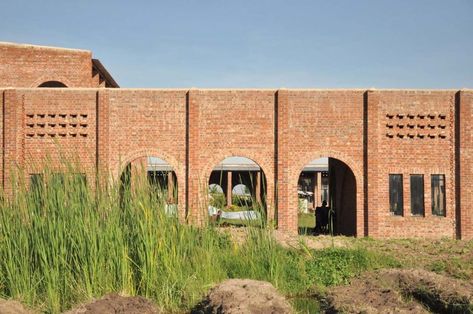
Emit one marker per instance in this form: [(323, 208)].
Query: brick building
[(400, 161)]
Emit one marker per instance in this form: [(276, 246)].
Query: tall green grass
[(64, 240)]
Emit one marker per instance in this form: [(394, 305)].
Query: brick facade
[(368, 134)]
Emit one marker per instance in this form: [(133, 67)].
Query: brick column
[(13, 139), (464, 164), (370, 188), (196, 202), (287, 203), (318, 190), (258, 187), (103, 136), (229, 188), (170, 187)]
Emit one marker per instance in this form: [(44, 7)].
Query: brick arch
[(308, 157), (180, 172), (265, 167), (52, 77), (123, 162), (350, 163), (207, 170)]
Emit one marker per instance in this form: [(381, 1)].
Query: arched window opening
[(53, 84), (237, 192), (154, 175), (327, 198)]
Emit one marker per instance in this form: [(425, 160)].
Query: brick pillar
[(464, 164), (103, 136), (170, 187), (371, 200), (318, 196), (196, 202), (229, 188), (258, 187), (13, 138), (286, 191)]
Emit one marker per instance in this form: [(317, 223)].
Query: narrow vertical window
[(36, 184), (57, 180), (438, 194), (417, 194), (37, 190), (396, 201)]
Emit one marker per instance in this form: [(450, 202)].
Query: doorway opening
[(326, 192), (154, 175), (237, 192)]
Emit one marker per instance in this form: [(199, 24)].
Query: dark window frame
[(435, 211), (52, 84), (417, 196), (400, 194)]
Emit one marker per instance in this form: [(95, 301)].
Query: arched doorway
[(327, 198), (156, 176), (237, 191), (54, 84)]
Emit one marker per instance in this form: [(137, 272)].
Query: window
[(36, 184), (396, 199), (50, 84), (57, 180), (36, 190), (417, 194), (438, 194)]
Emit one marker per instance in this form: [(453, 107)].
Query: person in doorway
[(321, 218)]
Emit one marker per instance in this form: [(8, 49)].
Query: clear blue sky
[(251, 43)]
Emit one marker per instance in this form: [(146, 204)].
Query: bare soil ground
[(117, 304), (235, 296), (369, 294), (402, 291), (13, 307)]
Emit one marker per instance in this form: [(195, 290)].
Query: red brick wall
[(404, 147), (225, 123), (49, 127), (29, 66), (314, 124), (281, 130), (143, 123)]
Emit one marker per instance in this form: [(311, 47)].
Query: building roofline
[(108, 77), (144, 89), (11, 44)]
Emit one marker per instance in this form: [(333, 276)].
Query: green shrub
[(67, 240)]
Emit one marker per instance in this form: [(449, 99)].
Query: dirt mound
[(117, 304), (244, 296), (439, 293), (370, 294), (13, 307), (402, 291)]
